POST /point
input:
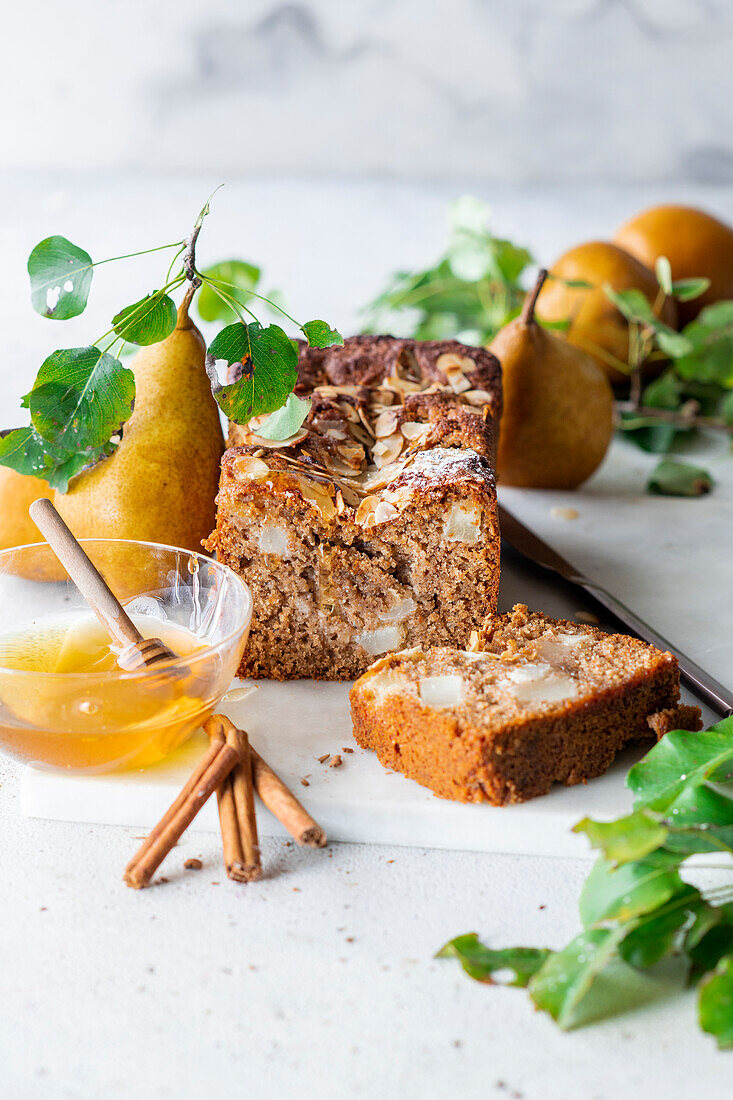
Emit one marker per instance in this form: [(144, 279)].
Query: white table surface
[(320, 980)]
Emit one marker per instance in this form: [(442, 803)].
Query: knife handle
[(702, 683)]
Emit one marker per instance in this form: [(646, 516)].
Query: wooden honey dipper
[(137, 652), (230, 766)]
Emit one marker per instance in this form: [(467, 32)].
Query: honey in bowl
[(69, 715), (64, 701)]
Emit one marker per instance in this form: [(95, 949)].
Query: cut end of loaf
[(375, 527)]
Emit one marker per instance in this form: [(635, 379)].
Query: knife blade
[(532, 547)]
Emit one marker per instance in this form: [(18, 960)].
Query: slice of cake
[(537, 701), (375, 527)]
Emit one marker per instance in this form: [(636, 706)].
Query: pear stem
[(184, 306), (189, 258), (527, 314)]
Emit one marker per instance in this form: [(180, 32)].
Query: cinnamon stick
[(237, 804), (284, 805), (215, 765)]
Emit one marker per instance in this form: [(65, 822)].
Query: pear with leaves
[(160, 483)]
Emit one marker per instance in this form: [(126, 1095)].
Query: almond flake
[(366, 509), (376, 478), (477, 397), (361, 435), (366, 423), (385, 512), (386, 450), (352, 454), (385, 424), (318, 495), (458, 381), (276, 444), (450, 361), (249, 468), (414, 430), (348, 410)]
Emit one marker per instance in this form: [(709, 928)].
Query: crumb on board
[(322, 759), (346, 749), (193, 864), (336, 762), (304, 783), (564, 513)]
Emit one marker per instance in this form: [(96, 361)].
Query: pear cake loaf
[(536, 701), (375, 526)]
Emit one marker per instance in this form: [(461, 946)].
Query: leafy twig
[(636, 908), (82, 396), (683, 418)]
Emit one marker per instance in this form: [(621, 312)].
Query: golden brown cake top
[(378, 400)]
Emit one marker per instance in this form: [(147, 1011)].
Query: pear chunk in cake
[(536, 701)]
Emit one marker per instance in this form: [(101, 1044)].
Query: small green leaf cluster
[(82, 397), (635, 907), (696, 382), (472, 291)]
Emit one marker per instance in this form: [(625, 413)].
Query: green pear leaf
[(286, 421), (708, 938), (25, 451), (148, 321), (628, 838), (80, 398), (635, 306), (710, 356), (481, 963), (238, 279), (319, 334), (656, 935), (663, 272), (61, 277), (266, 361), (682, 759), (630, 890), (679, 479), (715, 1003), (700, 820), (685, 290), (566, 977)]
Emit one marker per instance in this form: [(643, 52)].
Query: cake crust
[(505, 743)]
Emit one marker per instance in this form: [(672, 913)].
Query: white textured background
[(513, 90), (566, 115)]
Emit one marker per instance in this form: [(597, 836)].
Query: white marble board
[(292, 724)]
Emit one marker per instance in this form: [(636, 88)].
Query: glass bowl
[(104, 720)]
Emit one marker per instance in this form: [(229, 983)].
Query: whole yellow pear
[(17, 493), (160, 483), (558, 406), (596, 325), (694, 242)]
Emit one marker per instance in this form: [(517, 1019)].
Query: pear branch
[(189, 257), (527, 314), (685, 417)]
